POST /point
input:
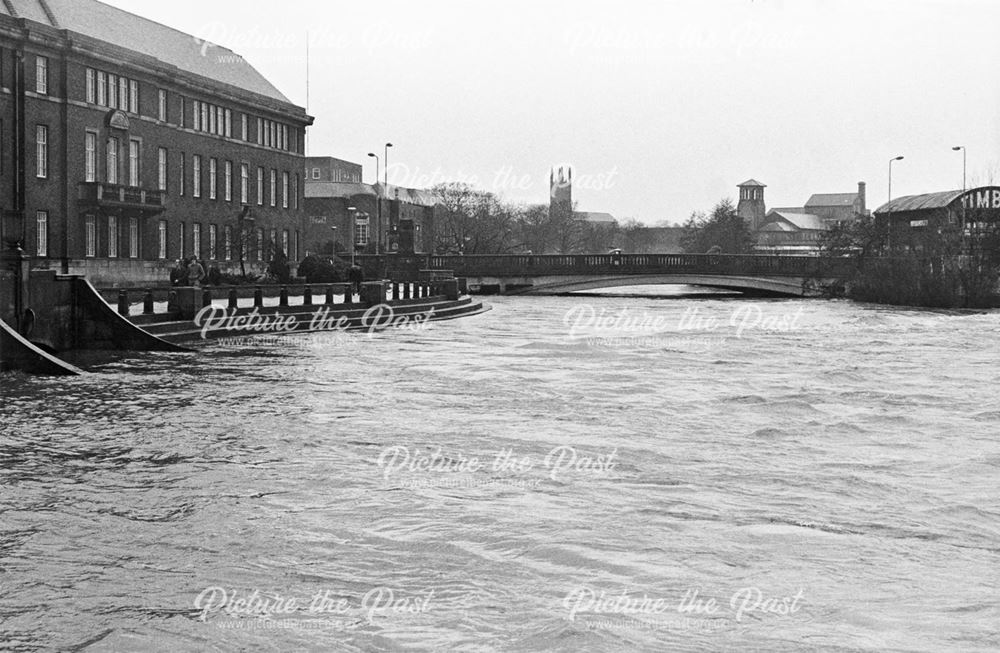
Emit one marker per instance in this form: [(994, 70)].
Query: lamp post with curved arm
[(378, 202), (957, 148), (889, 204)]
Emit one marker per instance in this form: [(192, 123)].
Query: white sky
[(670, 104)]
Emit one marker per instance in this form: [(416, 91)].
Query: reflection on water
[(671, 476)]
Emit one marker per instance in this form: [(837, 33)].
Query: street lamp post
[(385, 172), (351, 212), (378, 202), (957, 148), (385, 160), (889, 204), (244, 218)]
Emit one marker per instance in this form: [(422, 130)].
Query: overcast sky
[(661, 107)]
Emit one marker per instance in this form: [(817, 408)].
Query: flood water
[(561, 473)]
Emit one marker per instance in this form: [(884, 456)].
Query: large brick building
[(384, 219), (125, 145)]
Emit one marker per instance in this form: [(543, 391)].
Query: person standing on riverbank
[(178, 273), (355, 275), (195, 272)]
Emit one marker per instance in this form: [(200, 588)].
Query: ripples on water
[(854, 459)]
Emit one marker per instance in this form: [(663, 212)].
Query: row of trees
[(474, 221)]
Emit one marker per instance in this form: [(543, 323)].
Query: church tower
[(751, 205), (560, 191)]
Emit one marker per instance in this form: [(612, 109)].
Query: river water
[(571, 473)]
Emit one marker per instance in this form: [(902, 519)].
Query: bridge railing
[(727, 264)]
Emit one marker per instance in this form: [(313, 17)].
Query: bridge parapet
[(601, 264)]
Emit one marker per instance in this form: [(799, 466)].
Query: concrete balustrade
[(185, 301)]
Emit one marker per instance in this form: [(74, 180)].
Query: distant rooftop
[(779, 221), (590, 216), (330, 189), (118, 27), (832, 199), (920, 202), (751, 182)]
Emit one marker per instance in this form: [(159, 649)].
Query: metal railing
[(101, 193)]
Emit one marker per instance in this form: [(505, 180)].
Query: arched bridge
[(560, 273)]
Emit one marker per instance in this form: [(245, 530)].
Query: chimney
[(861, 197)]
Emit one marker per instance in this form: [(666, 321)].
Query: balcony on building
[(102, 195)]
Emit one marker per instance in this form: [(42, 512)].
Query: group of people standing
[(187, 272)]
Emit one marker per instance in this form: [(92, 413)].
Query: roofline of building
[(68, 40)]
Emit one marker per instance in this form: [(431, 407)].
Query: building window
[(123, 94), (260, 131), (112, 236), (213, 235), (295, 246), (196, 123), (246, 133), (133, 96), (229, 123), (90, 236), (133, 162), (183, 102), (315, 173), (42, 75), (244, 183), (180, 241), (360, 233), (295, 190), (41, 151), (284, 242), (196, 239), (274, 186), (196, 175), (227, 242), (211, 118), (272, 242), (183, 173), (162, 240), (90, 156), (133, 237), (213, 170), (284, 190), (102, 88), (260, 244), (91, 91), (113, 91), (161, 174), (260, 187), (112, 160), (42, 233), (161, 111), (227, 186)]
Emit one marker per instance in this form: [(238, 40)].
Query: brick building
[(798, 229), (126, 144), (333, 185)]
